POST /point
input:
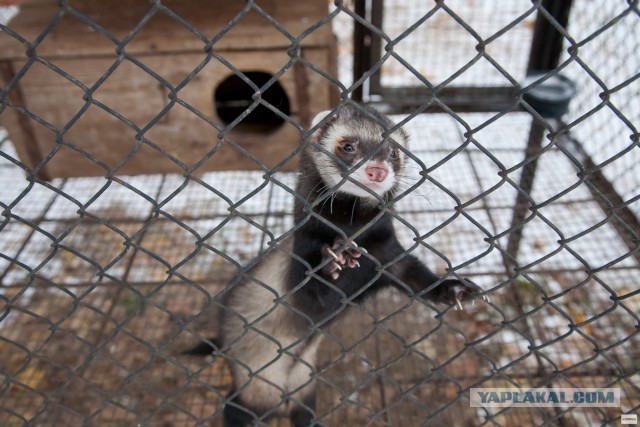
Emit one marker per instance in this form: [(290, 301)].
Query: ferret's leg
[(340, 258), (301, 380), (412, 272), (302, 415), (235, 414)]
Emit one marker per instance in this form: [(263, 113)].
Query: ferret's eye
[(348, 147), (393, 153)]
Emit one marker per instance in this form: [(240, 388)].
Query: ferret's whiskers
[(353, 209)]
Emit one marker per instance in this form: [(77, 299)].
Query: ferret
[(273, 313)]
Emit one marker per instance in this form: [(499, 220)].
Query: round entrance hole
[(233, 96)]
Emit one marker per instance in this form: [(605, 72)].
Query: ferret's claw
[(341, 256), (332, 254), (453, 291)]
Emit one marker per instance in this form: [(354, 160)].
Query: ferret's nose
[(376, 173)]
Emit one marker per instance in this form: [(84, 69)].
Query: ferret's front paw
[(453, 292), (340, 259)]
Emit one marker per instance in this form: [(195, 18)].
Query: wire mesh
[(107, 280)]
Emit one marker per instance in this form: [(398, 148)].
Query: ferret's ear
[(317, 119)]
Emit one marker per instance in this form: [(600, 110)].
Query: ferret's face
[(358, 150)]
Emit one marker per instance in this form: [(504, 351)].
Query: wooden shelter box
[(129, 87)]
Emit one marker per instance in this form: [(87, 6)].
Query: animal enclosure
[(113, 260)]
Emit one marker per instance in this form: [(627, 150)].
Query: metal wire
[(105, 281)]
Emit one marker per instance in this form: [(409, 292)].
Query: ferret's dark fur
[(343, 249)]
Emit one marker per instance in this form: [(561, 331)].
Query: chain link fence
[(109, 272)]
